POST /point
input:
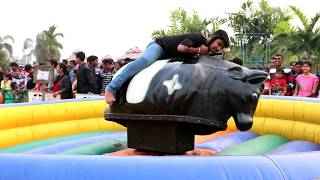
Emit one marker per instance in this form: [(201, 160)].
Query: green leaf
[(301, 16)]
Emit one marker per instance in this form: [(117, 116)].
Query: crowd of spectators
[(295, 80), (15, 82), (84, 75), (88, 75)]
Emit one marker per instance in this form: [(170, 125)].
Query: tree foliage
[(182, 22), (3, 59), (258, 23), (47, 45), (6, 49), (303, 41)]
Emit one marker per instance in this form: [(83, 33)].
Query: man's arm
[(296, 90), (315, 86), (284, 90), (193, 50)]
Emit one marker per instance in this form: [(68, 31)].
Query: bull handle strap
[(172, 118)]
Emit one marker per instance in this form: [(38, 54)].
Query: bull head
[(244, 96)]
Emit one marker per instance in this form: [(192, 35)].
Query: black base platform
[(163, 133), (166, 137)]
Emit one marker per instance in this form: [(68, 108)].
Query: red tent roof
[(132, 53), (71, 57)]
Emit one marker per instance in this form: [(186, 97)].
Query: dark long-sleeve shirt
[(87, 82)]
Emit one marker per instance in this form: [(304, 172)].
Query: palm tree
[(303, 41), (181, 23), (6, 49), (41, 50), (47, 45), (307, 37), (52, 42)]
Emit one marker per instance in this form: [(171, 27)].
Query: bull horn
[(236, 73), (256, 76), (243, 121)]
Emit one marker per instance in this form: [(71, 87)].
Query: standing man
[(93, 64), (72, 66), (178, 46), (107, 73), (278, 60), (86, 83)]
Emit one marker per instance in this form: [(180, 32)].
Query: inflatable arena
[(71, 140)]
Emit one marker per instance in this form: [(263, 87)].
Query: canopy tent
[(71, 57), (106, 57), (132, 54)]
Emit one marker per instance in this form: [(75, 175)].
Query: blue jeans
[(152, 53)]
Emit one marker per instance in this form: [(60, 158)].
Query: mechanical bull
[(169, 102)]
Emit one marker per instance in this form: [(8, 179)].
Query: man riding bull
[(178, 46)]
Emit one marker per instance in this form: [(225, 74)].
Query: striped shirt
[(106, 78)]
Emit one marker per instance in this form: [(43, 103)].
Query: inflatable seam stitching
[(277, 166)]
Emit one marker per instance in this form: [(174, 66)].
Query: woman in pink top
[(306, 83)]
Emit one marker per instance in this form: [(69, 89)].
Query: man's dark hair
[(92, 58), (13, 64), (53, 62), (299, 63), (220, 34), (280, 56), (107, 61), (5, 75), (119, 63), (64, 61), (27, 67), (292, 63), (237, 61), (280, 70), (73, 62), (266, 68), (81, 55)]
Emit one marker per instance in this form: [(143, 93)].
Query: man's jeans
[(152, 53)]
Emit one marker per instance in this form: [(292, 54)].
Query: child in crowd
[(6, 89), (6, 83), (278, 85), (107, 73), (306, 83)]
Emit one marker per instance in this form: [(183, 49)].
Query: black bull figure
[(199, 96)]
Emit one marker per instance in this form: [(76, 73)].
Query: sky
[(100, 27)]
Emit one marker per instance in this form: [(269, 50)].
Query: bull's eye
[(255, 95)]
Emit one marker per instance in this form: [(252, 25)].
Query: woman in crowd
[(62, 85), (306, 83)]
